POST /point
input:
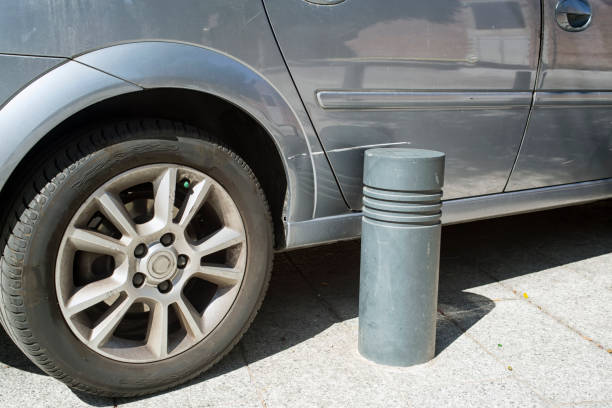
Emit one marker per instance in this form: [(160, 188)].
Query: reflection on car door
[(451, 75), (569, 137)]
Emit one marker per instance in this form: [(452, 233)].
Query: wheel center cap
[(161, 263)]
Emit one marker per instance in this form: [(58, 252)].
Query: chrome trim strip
[(428, 100), (348, 226), (560, 99)]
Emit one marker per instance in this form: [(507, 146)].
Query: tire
[(36, 308)]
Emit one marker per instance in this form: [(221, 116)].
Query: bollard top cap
[(404, 153), (404, 169)]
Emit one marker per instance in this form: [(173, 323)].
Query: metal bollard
[(400, 254)]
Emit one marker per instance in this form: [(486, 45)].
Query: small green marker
[(186, 183), (499, 345)]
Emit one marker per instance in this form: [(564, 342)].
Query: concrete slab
[(590, 404), (228, 384), (326, 370), (506, 392), (567, 295), (463, 274), (20, 388), (561, 365)]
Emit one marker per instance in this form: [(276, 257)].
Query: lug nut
[(140, 251), (165, 286), (138, 279), (182, 260), (167, 239)]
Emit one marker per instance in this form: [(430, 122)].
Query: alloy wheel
[(151, 263)]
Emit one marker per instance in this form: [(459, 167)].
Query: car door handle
[(573, 15)]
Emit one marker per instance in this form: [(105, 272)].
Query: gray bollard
[(400, 254)]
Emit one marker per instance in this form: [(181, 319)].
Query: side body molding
[(157, 64)]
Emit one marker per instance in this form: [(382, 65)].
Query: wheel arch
[(75, 94)]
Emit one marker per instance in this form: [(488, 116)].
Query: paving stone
[(332, 270), (460, 274), (576, 293), (19, 388), (228, 384), (590, 404), (11, 356), (561, 365), (464, 308), (506, 392), (291, 314), (327, 370), (597, 270), (568, 295)]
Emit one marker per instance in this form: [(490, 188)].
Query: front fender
[(157, 64)]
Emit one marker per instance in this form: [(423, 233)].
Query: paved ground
[(524, 320)]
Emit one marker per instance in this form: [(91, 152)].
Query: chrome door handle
[(573, 15)]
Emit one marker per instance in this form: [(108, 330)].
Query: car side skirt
[(348, 226)]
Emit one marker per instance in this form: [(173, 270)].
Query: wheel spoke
[(194, 202), (157, 336), (217, 307), (109, 321), (92, 294), (222, 239), (95, 242), (220, 275), (190, 318), (115, 211), (164, 195)]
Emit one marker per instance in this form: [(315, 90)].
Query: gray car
[(155, 154)]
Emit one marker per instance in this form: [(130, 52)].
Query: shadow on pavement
[(312, 289)]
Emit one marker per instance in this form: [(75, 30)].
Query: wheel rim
[(151, 263)]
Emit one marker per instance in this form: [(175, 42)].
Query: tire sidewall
[(70, 189)]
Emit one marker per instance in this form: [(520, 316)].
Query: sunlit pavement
[(525, 319)]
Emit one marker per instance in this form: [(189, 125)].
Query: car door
[(569, 137), (451, 75)]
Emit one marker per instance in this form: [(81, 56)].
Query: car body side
[(62, 58)]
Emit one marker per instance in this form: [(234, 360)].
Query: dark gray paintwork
[(452, 75), (238, 29), (17, 71), (467, 67), (569, 138), (43, 104), (577, 61)]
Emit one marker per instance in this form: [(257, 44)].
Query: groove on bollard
[(400, 251)]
